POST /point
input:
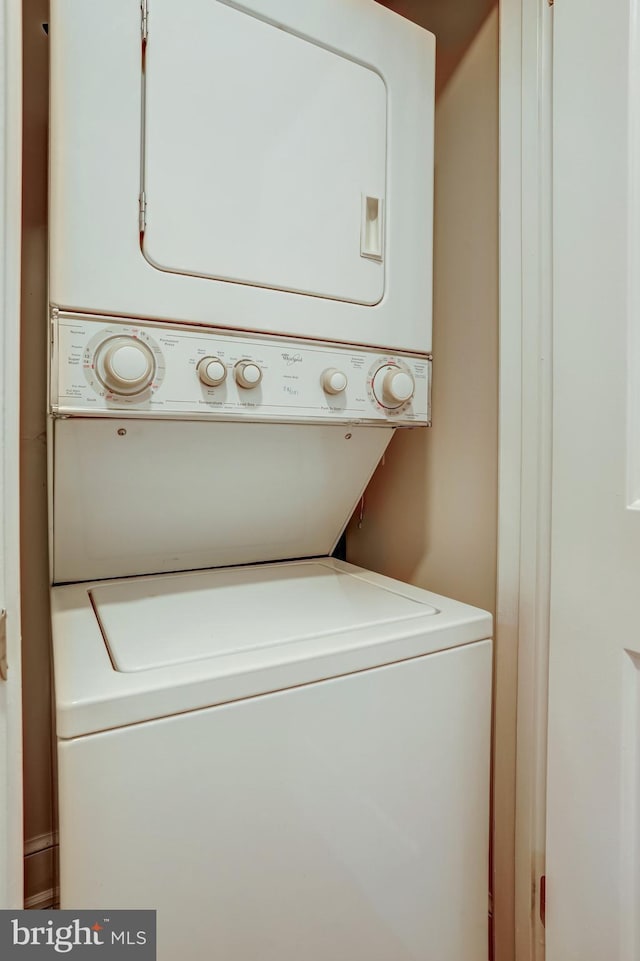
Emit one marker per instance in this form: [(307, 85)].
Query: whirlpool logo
[(41, 934)]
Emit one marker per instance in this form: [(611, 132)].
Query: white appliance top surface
[(159, 621), (137, 649)]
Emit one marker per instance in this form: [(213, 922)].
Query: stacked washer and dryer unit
[(286, 755)]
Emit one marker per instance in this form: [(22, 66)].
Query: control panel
[(105, 365)]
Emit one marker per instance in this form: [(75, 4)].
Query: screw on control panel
[(121, 432), (347, 436)]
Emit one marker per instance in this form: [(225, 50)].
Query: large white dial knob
[(333, 381), (212, 371), (392, 386), (125, 365), (247, 374)]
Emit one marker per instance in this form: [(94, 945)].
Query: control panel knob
[(392, 386), (125, 365), (212, 371), (333, 381), (398, 386), (247, 374)]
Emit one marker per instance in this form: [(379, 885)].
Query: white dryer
[(264, 165), (285, 760)]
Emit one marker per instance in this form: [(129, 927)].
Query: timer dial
[(333, 381), (125, 365), (247, 374), (212, 371), (393, 386)]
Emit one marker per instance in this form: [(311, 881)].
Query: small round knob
[(398, 386), (125, 365), (212, 371), (393, 386), (333, 381), (247, 374)]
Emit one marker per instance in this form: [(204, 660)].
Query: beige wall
[(38, 774), (430, 512)]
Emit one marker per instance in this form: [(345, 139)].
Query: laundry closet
[(231, 377)]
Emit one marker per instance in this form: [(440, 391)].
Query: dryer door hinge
[(144, 13), (3, 645), (142, 217)]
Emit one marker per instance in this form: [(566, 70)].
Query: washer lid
[(294, 623), (264, 155), (161, 621)]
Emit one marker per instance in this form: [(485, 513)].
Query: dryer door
[(265, 155)]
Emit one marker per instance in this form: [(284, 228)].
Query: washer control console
[(102, 365)]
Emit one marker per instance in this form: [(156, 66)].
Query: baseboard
[(40, 874), (41, 842), (42, 900)]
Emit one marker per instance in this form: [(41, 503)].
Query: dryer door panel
[(261, 149)]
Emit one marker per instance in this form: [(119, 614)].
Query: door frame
[(11, 818), (524, 512)]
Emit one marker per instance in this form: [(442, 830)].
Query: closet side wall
[(39, 818), (430, 513)]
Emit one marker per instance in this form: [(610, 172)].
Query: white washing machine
[(285, 760), (264, 165)]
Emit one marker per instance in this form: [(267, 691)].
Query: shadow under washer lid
[(167, 620)]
